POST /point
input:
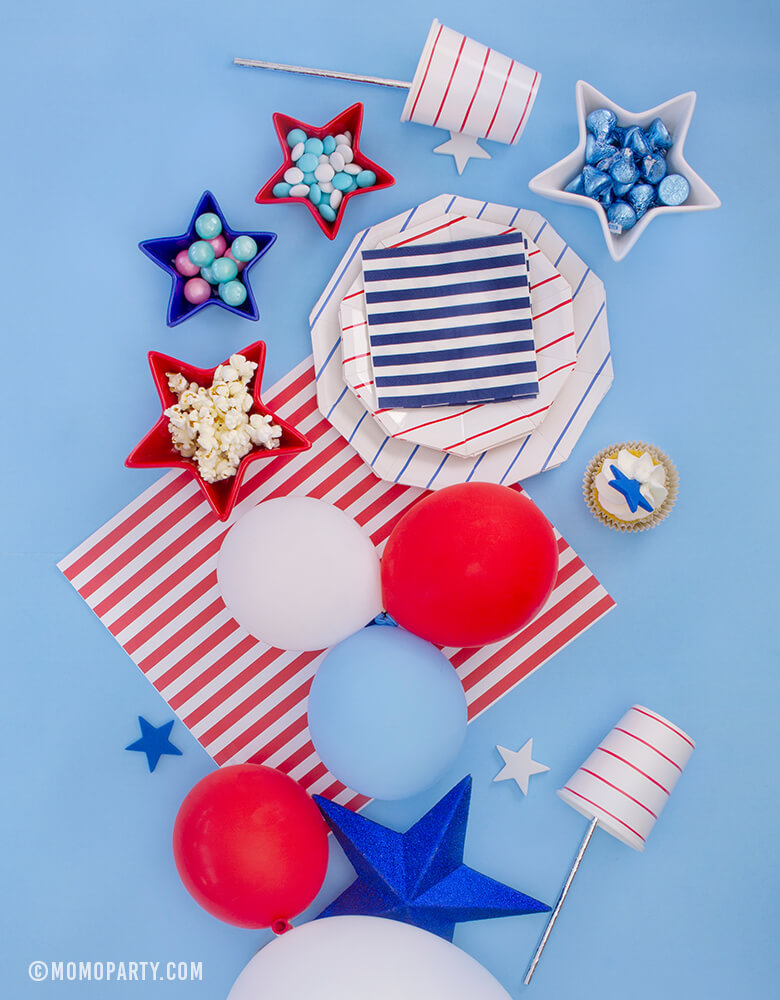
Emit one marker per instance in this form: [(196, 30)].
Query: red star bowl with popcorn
[(157, 449)]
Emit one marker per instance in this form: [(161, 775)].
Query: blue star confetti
[(154, 742), (419, 877), (630, 489), (163, 252)]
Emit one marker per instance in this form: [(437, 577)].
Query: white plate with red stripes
[(548, 444), (469, 430)]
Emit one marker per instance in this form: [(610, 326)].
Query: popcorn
[(213, 425)]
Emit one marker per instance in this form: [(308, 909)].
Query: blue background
[(116, 118)]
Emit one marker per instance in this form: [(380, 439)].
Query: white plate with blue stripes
[(549, 444)]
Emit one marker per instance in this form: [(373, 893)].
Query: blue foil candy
[(673, 190), (618, 135), (624, 170), (620, 190), (601, 122), (597, 149), (658, 135), (575, 185), (594, 181), (620, 217), (636, 140), (653, 168), (606, 197), (641, 197)]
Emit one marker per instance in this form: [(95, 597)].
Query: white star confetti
[(463, 148), (518, 765)]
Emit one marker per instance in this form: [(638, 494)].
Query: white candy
[(299, 190), (346, 152), (293, 176), (352, 168), (335, 199), (341, 139), (348, 136), (337, 161), (326, 187), (324, 172), (297, 151)]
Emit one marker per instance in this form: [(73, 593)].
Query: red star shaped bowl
[(349, 120), (156, 450)]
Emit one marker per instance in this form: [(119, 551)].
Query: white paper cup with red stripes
[(627, 780), (463, 86)]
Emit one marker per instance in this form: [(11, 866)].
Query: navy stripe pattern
[(450, 323)]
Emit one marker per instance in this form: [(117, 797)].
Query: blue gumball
[(387, 713)]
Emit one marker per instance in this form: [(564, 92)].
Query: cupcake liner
[(658, 515)]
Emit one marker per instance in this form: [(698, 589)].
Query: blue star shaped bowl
[(163, 252)]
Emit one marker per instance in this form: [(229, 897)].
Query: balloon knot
[(281, 926), (384, 619)]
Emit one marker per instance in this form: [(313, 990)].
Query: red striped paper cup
[(627, 780), (464, 86)]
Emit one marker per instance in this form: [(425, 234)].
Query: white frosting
[(643, 468)]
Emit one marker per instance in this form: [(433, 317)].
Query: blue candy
[(618, 135), (224, 269), (606, 197), (624, 170), (619, 190), (609, 161), (342, 181), (636, 140), (575, 185), (309, 178), (601, 122), (243, 248), (658, 135), (201, 253), (295, 136), (653, 168), (308, 162), (365, 179), (641, 197), (315, 194), (207, 273), (328, 144), (673, 190), (281, 190), (620, 217), (208, 225), (597, 149), (594, 181), (232, 292), (326, 211), (314, 146)]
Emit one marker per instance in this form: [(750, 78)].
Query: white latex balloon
[(352, 958), (299, 574)]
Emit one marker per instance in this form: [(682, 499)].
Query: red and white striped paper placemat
[(149, 574)]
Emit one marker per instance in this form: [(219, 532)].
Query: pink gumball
[(196, 290), (184, 265), (219, 245), (241, 264)]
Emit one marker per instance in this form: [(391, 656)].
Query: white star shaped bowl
[(676, 115)]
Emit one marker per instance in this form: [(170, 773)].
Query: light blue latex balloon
[(387, 713)]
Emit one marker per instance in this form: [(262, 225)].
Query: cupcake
[(630, 486)]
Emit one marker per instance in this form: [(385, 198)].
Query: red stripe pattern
[(150, 575), (627, 780)]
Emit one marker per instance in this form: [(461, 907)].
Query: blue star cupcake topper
[(419, 877), (630, 488), (163, 252), (154, 742)]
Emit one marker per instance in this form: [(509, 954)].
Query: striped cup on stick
[(459, 85), (622, 788)]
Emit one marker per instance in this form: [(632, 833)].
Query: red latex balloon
[(469, 565), (251, 846)]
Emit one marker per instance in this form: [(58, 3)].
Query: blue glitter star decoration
[(630, 489), (154, 742), (163, 252), (419, 877)]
